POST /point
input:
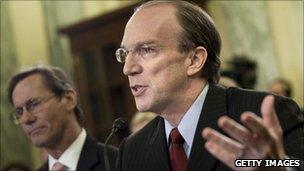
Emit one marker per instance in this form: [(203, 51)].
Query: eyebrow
[(141, 43), (27, 101)]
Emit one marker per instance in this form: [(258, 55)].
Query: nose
[(27, 118), (131, 66)]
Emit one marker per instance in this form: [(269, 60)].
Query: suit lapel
[(89, 155), (158, 151), (213, 108)]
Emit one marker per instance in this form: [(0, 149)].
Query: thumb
[(269, 115)]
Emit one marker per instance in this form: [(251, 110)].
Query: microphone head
[(119, 125)]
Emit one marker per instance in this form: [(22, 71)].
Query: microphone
[(118, 125)]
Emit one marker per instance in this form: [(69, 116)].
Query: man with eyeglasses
[(170, 51), (47, 109)]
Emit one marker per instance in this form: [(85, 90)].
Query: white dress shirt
[(188, 124), (71, 155)]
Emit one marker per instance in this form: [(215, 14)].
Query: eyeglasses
[(143, 50), (33, 106)]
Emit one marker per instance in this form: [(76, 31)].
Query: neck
[(175, 114), (68, 136)]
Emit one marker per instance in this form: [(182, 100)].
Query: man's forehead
[(153, 23), (156, 6), (154, 13), (37, 77), (29, 84)]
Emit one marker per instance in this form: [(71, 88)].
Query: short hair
[(54, 78), (198, 29)]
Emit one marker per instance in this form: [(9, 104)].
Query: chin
[(40, 144), (40, 141), (142, 107)]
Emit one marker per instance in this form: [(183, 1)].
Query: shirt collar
[(188, 124), (71, 155)]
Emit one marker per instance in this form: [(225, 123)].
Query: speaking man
[(170, 51)]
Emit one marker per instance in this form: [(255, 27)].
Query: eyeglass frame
[(30, 106), (140, 49)]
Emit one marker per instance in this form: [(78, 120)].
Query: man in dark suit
[(170, 51), (47, 109)]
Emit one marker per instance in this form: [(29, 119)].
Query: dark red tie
[(177, 153)]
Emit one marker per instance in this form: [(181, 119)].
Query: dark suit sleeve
[(291, 117)]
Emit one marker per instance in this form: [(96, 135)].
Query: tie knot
[(59, 167), (176, 137)]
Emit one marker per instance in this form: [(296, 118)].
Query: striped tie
[(177, 153)]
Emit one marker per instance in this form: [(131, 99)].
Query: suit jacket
[(148, 149), (91, 157)]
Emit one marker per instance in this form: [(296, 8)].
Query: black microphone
[(118, 125)]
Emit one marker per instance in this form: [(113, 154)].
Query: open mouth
[(138, 90)]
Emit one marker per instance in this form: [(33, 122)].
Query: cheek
[(52, 119), (54, 126), (156, 76), (165, 72), (167, 81)]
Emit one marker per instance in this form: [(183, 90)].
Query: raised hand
[(257, 138)]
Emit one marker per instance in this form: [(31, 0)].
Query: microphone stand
[(119, 124), (105, 152)]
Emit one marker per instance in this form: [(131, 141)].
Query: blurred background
[(81, 37)]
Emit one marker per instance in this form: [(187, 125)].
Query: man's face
[(45, 126), (154, 66)]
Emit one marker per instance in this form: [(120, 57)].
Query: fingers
[(222, 147), (234, 129), (261, 140), (270, 118), (257, 138), (220, 153), (272, 124), (254, 135), (255, 125), (230, 145)]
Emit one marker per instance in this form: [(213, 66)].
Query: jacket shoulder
[(135, 147), (92, 156), (250, 100), (144, 133)]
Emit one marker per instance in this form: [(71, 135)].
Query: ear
[(196, 61), (70, 100)]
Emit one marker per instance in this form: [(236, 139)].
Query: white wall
[(270, 32), (29, 32)]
